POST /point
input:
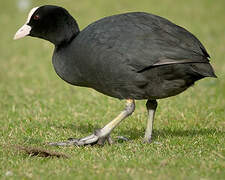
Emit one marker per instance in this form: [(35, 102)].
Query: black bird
[(130, 56)]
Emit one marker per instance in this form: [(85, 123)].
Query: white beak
[(25, 29), (22, 32)]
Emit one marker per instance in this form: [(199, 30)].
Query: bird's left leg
[(101, 135)]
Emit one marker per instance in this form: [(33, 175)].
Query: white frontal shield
[(25, 29)]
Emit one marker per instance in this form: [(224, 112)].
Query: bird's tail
[(203, 69)]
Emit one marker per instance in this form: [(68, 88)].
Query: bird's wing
[(142, 40)]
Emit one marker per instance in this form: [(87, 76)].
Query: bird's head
[(51, 23)]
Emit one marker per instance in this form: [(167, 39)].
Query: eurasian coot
[(130, 56)]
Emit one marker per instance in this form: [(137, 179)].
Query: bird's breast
[(67, 69)]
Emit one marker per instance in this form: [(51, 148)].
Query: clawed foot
[(101, 135), (96, 138), (147, 140)]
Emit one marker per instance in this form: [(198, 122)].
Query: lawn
[(36, 106)]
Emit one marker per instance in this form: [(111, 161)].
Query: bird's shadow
[(135, 133)]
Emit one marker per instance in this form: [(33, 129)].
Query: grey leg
[(101, 135), (151, 107)]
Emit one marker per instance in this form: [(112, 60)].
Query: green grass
[(37, 107)]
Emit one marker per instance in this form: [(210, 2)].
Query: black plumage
[(121, 57), (127, 56)]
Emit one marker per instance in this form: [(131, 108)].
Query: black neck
[(66, 34)]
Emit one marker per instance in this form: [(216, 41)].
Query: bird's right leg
[(151, 106)]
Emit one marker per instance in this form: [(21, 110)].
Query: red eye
[(36, 17)]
